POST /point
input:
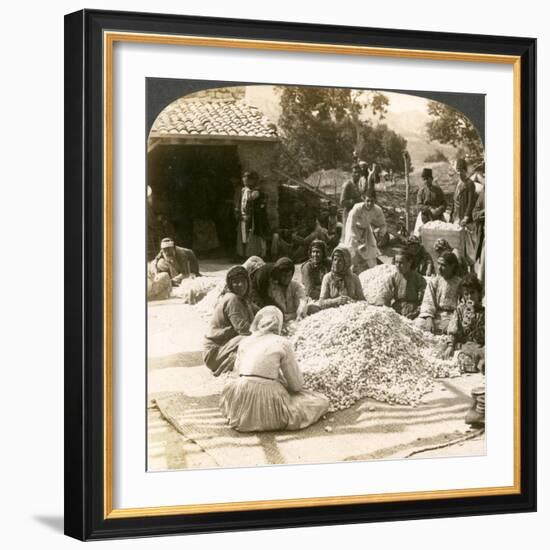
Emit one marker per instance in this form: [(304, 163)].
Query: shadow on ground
[(55, 523)]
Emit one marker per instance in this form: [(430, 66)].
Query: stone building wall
[(260, 156)]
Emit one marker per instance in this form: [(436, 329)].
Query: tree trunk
[(407, 186), (359, 140)]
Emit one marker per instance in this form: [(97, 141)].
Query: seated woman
[(230, 322), (466, 328), (441, 296), (405, 288), (252, 264), (315, 269), (273, 286), (422, 261), (340, 286), (441, 246), (268, 393)]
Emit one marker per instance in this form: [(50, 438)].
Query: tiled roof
[(228, 119)]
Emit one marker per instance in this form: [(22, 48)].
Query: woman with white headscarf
[(340, 286), (268, 393)]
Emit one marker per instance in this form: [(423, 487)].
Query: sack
[(453, 234)]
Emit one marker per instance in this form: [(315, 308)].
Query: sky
[(400, 103)]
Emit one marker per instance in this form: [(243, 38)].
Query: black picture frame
[(85, 516)]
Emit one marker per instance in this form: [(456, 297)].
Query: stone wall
[(260, 156)]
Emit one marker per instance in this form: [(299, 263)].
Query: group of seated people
[(256, 285), (259, 298), (246, 337)]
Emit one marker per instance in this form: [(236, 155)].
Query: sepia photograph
[(315, 274)]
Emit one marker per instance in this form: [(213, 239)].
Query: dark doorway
[(193, 196)]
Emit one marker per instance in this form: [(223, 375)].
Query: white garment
[(359, 237)]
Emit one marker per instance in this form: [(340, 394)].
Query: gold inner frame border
[(109, 39)]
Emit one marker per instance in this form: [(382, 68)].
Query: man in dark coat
[(465, 196), (253, 226), (430, 199), (351, 194), (478, 215)]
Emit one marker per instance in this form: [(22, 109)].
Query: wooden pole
[(407, 187)]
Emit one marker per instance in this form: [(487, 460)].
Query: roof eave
[(179, 137)]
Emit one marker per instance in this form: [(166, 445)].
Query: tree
[(451, 126), (363, 102), (322, 127), (385, 147)]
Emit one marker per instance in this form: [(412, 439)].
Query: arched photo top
[(204, 111)]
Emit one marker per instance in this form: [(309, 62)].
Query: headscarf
[(340, 283), (233, 273), (470, 282), (167, 242), (414, 245), (407, 254), (442, 245), (319, 245), (471, 309), (253, 264), (263, 277), (345, 252), (268, 320), (450, 259), (282, 265)]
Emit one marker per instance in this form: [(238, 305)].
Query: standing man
[(479, 218), (377, 220), (253, 227), (430, 200), (365, 185), (153, 236), (373, 179), (334, 228), (360, 239), (350, 196), (464, 201), (465, 197)]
